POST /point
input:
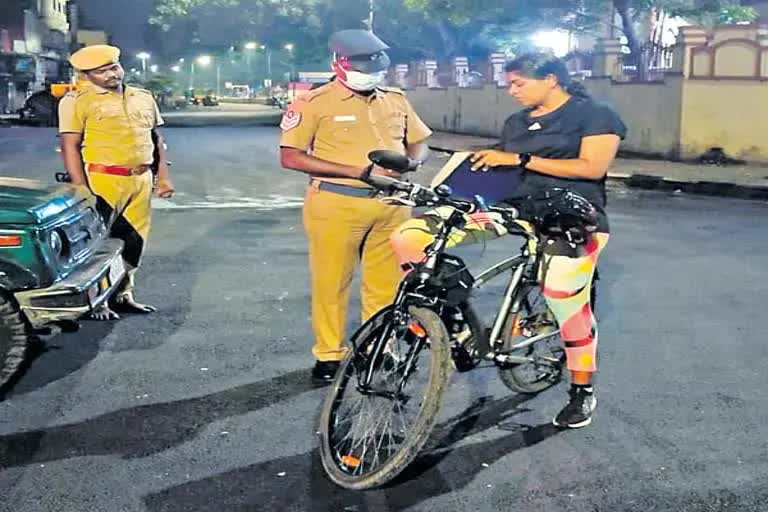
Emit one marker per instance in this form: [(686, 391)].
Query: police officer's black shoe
[(324, 372)]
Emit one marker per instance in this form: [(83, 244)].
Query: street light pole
[(290, 47), (269, 65), (250, 46), (218, 79), (370, 15), (143, 57), (205, 60)]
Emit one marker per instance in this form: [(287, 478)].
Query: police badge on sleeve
[(291, 120)]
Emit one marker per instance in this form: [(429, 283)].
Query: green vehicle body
[(57, 263), (65, 265)]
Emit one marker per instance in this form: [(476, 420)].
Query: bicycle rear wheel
[(369, 435), (547, 354)]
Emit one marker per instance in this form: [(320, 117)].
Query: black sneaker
[(324, 371), (578, 411)]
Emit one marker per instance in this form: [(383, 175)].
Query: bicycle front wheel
[(369, 434)]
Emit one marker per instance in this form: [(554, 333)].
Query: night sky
[(125, 25)]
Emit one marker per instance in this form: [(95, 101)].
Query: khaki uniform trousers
[(125, 204), (344, 231)]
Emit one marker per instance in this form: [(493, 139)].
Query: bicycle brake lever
[(398, 200), (512, 215)]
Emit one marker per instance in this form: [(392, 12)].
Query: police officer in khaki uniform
[(328, 133), (109, 140)]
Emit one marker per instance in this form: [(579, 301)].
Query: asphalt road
[(206, 405)]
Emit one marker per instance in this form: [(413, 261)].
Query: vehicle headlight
[(56, 243)]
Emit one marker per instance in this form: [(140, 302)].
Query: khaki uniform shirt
[(335, 124), (116, 129)]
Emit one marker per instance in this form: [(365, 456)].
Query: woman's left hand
[(486, 158)]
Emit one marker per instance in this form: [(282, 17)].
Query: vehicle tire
[(15, 339), (69, 326), (416, 436), (534, 319)]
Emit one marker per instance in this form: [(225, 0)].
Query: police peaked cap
[(96, 56), (350, 43)]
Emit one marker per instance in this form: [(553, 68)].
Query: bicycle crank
[(507, 359)]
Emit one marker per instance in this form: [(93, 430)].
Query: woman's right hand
[(486, 158)]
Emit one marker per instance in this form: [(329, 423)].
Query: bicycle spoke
[(373, 429), (380, 422), (349, 420), (371, 424), (377, 448)]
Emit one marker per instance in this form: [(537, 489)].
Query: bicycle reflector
[(417, 329), (516, 329), (350, 460)]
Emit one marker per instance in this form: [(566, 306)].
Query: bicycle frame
[(427, 269), (525, 267)]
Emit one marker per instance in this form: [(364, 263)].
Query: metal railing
[(649, 65)]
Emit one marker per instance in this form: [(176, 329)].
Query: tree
[(512, 17), (412, 29), (704, 12), (434, 28)]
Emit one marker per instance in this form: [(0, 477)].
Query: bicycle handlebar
[(421, 196)]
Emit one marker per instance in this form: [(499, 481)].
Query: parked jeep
[(56, 262)]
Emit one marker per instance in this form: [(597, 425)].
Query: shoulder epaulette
[(316, 93), (138, 89), (395, 90)]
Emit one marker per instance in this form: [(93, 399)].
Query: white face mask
[(358, 81)]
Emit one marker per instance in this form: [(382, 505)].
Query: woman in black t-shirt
[(562, 139)]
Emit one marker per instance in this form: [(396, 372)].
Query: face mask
[(358, 81)]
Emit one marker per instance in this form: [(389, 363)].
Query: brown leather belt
[(118, 170)]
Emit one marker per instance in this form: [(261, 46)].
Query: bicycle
[(430, 327)]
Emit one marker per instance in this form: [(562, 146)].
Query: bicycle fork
[(390, 328)]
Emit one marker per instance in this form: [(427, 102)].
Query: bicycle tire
[(421, 430), (512, 375)]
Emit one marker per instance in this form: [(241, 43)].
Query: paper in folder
[(493, 185)]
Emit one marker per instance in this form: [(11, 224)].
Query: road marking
[(271, 202)]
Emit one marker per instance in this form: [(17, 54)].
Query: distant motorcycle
[(209, 100), (280, 102)]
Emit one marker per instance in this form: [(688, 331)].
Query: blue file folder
[(494, 185)]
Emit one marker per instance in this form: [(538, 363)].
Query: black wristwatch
[(524, 159)]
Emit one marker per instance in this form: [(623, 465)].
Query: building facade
[(34, 46)]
